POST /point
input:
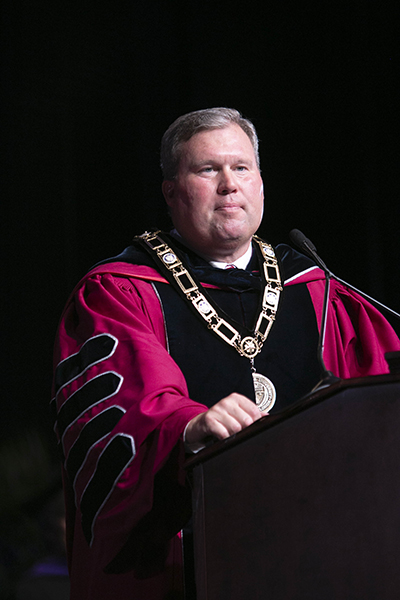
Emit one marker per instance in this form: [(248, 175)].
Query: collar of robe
[(234, 279), (178, 268)]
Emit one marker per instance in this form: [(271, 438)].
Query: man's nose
[(227, 183)]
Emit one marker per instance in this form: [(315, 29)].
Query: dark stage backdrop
[(89, 89)]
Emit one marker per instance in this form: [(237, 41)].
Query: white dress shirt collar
[(240, 263)]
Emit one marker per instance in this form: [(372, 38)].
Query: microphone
[(306, 245), (300, 240)]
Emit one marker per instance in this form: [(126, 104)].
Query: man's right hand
[(230, 415)]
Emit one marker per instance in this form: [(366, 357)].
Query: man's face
[(216, 199)]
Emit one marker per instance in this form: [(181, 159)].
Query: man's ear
[(168, 187)]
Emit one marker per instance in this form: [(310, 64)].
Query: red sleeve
[(357, 334), (122, 405)]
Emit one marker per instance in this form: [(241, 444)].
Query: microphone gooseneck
[(298, 238), (306, 245)]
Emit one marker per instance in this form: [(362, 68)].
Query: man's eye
[(206, 170), (240, 168)]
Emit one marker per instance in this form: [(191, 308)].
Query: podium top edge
[(301, 405)]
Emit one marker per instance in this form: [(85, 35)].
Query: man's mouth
[(228, 207)]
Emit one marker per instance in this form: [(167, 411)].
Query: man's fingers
[(230, 415), (238, 405), (222, 424)]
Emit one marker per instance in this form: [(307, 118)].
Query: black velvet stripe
[(97, 389), (113, 461), (101, 425), (53, 409), (94, 350), (213, 369), (292, 262)]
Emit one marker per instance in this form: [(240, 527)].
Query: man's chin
[(233, 233)]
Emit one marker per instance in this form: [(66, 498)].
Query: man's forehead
[(231, 141), (232, 129)]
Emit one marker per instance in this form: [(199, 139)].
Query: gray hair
[(186, 126)]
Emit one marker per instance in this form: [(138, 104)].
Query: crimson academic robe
[(122, 404)]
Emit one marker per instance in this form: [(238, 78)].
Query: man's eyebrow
[(196, 164), (215, 161), (204, 162)]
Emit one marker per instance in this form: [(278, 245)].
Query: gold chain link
[(248, 346)]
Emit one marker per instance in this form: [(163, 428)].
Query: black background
[(88, 90)]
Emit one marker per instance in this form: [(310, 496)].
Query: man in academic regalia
[(186, 338)]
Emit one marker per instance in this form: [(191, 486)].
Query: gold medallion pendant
[(265, 392)]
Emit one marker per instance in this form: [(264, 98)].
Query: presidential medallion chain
[(248, 346)]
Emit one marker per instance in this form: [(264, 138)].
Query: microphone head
[(300, 240)]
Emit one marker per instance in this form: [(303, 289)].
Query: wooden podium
[(304, 505)]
